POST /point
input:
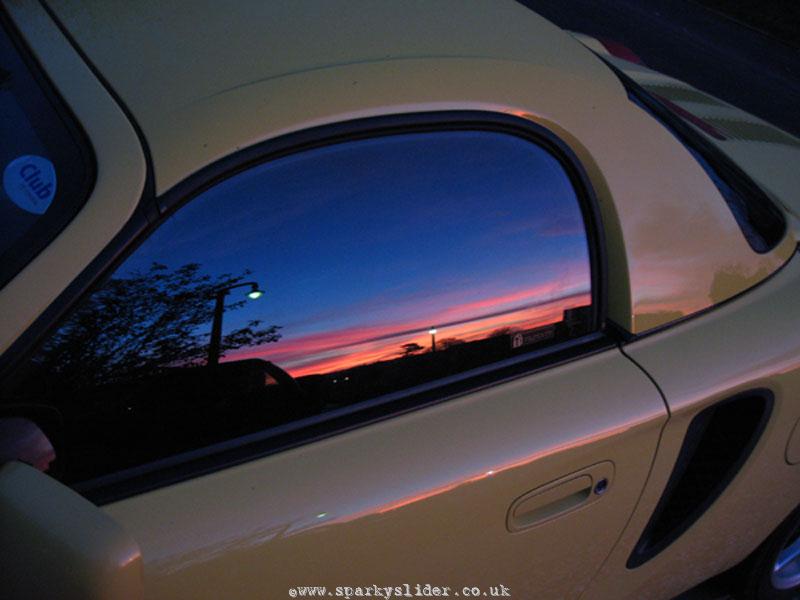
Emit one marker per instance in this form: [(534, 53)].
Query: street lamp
[(432, 331), (219, 307)]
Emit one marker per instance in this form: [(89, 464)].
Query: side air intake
[(718, 442)]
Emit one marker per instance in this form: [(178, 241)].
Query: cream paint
[(741, 346), (677, 243), (388, 491), (63, 546), (420, 498)]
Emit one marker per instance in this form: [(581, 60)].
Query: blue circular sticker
[(30, 182)]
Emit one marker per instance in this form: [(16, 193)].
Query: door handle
[(560, 497)]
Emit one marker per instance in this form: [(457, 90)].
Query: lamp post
[(432, 331), (219, 308)]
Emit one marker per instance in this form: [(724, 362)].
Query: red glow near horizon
[(332, 351)]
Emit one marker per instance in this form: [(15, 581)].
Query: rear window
[(761, 222), (45, 163)]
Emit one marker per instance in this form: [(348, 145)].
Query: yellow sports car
[(374, 299)]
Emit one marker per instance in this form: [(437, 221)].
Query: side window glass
[(331, 279)]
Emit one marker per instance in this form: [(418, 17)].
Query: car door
[(415, 386), (420, 499)]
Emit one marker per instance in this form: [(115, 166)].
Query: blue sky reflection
[(361, 246)]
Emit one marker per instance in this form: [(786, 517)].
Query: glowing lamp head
[(255, 293), (432, 331)]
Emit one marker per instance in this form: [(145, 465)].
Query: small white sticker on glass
[(30, 182)]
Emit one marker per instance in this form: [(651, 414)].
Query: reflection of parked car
[(528, 314)]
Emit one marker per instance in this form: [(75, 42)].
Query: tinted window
[(46, 172), (330, 279)]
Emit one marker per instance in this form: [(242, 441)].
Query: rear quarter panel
[(748, 343)]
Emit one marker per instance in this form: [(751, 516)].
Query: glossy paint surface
[(741, 346), (763, 151), (673, 246), (386, 492), (78, 552), (304, 62), (767, 154), (420, 498)]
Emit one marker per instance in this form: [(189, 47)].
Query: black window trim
[(130, 482)]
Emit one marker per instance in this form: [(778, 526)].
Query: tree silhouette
[(412, 348), (143, 322)]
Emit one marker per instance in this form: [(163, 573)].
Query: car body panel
[(284, 66), (118, 187), (738, 347), (419, 498), (78, 552), (762, 150), (365, 504), (667, 238)]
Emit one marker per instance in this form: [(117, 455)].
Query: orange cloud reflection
[(332, 351)]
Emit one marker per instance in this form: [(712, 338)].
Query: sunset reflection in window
[(343, 274), (363, 246)]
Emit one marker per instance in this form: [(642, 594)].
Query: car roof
[(203, 80)]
